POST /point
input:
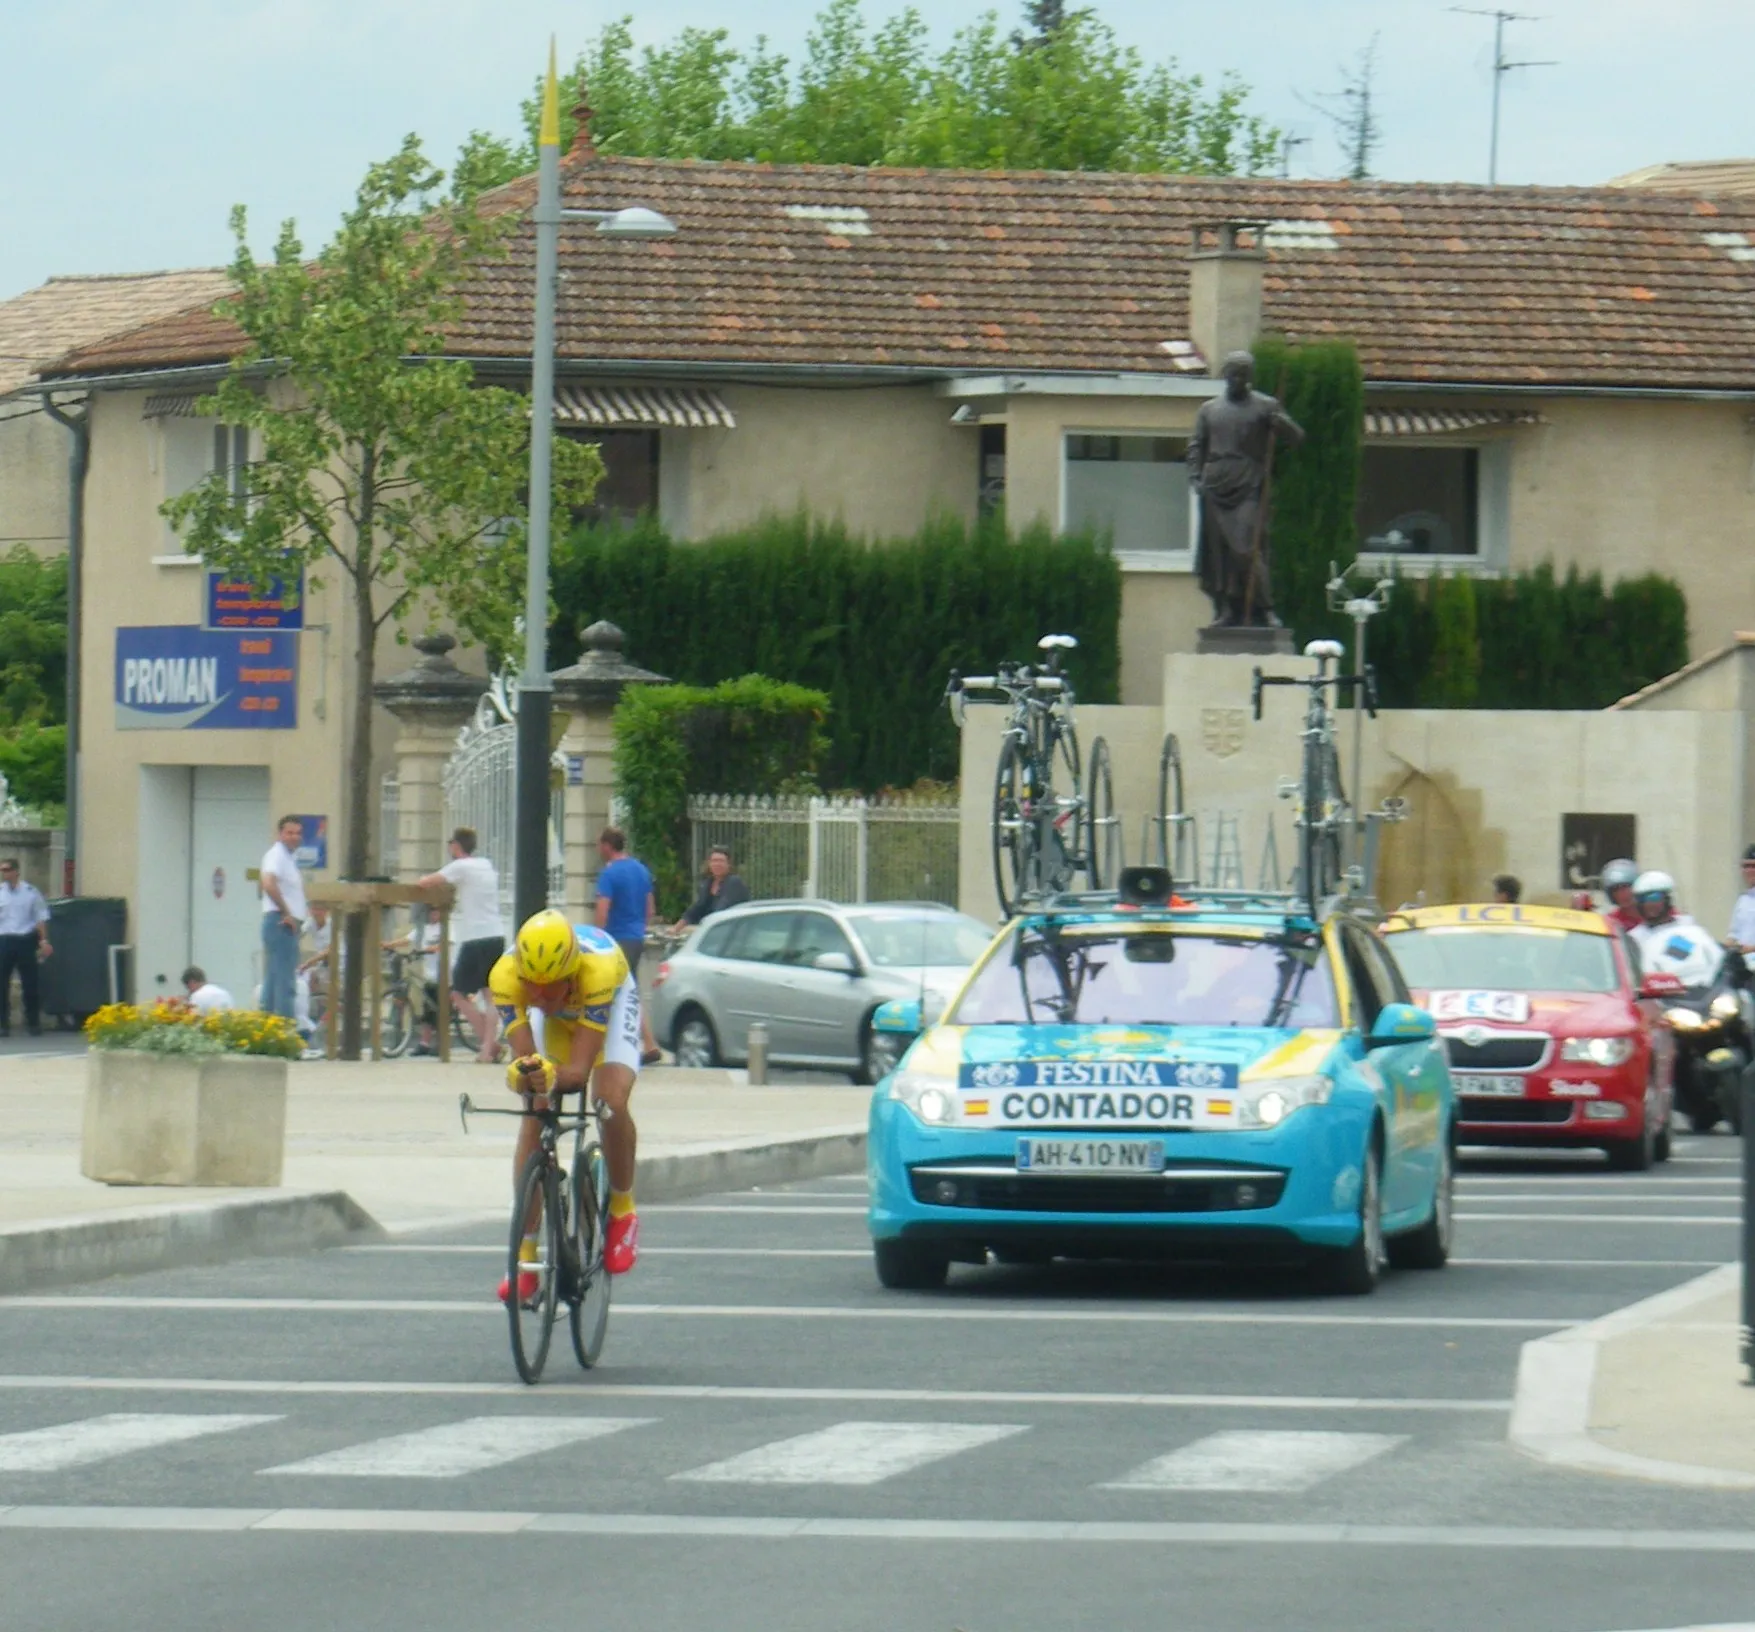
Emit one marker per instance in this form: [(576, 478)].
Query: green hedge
[(33, 759), (874, 626), (1533, 640), (750, 735)]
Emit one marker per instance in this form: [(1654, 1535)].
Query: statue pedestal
[(1219, 640)]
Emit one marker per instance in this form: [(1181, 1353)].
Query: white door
[(229, 833)]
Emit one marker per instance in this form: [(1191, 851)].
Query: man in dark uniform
[(1228, 463)]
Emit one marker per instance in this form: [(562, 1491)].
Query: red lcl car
[(1550, 1040)]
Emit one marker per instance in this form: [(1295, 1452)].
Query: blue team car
[(1143, 1076)]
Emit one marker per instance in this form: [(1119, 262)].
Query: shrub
[(875, 627), (33, 759), (171, 1027), (751, 735)]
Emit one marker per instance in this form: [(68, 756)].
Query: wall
[(38, 852), (882, 460), (33, 480)]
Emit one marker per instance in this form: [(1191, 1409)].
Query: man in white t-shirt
[(202, 995), (480, 934), (283, 917)]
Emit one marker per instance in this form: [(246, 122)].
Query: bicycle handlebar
[(1317, 683)]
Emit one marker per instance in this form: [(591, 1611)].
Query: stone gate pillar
[(431, 701), (588, 692)]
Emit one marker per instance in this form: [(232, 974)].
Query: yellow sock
[(527, 1250), (621, 1203)]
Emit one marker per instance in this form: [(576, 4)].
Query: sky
[(133, 128)]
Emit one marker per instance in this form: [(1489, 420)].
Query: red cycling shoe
[(529, 1283), (621, 1245)]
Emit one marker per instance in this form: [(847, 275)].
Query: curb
[(1550, 1416), (711, 1168), (203, 1232)]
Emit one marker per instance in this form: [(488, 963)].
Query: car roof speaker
[(1145, 886)]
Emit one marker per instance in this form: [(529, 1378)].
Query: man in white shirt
[(1742, 935), (283, 917), (479, 932), (202, 995), (24, 943)]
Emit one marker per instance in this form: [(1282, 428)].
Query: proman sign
[(184, 678)]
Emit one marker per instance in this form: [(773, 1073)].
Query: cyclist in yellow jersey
[(586, 1018)]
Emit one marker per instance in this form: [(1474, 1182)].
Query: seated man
[(201, 994), (576, 983)]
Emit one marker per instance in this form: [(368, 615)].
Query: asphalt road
[(773, 1442)]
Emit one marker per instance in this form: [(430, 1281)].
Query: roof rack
[(1193, 898)]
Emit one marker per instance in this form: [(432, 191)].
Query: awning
[(618, 407), (1442, 421), (173, 404)]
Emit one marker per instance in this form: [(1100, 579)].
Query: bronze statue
[(1230, 461)]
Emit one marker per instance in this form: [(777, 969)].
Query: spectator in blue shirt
[(625, 907)]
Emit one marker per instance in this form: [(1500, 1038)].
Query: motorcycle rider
[(1618, 877), (1670, 942)]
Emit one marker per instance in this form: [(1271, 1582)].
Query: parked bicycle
[(1321, 811), (572, 1219), (1044, 837)]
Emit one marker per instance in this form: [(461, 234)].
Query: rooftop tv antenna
[(1501, 67)]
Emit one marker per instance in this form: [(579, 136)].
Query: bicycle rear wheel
[(533, 1319), (1319, 841), (588, 1301), (1013, 838), (1102, 825), (1170, 823), (396, 1027)]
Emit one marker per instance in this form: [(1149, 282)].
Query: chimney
[(1224, 288)]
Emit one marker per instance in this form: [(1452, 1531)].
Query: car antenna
[(920, 998)]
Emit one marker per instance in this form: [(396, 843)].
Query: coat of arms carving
[(1221, 731)]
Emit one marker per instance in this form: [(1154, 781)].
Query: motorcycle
[(1714, 1028)]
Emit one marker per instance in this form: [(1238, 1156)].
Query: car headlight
[(1597, 1050), (1266, 1104), (1685, 1019), (932, 1099), (1725, 1006)]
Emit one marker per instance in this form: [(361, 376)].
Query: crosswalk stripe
[(1279, 1461), (850, 1453), (97, 1439), (454, 1448)]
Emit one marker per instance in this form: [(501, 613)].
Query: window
[(1135, 489), (760, 938), (630, 475), (1434, 503), (817, 933), (990, 493)]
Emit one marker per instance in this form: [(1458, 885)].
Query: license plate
[(1117, 1156), (1488, 1087)]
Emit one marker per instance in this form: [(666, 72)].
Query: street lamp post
[(530, 867)]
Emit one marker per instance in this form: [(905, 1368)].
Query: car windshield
[(1510, 959), (1147, 978), (921, 940)]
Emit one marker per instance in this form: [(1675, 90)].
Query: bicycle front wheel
[(1319, 841), (1102, 825), (1013, 837), (533, 1317), (396, 1025), (588, 1301)]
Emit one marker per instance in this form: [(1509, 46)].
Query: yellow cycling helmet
[(548, 950)]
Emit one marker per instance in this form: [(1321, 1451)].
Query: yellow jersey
[(590, 992)]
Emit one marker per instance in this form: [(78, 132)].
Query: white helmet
[(1617, 873), (1653, 883)]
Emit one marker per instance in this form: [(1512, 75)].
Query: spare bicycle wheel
[(1102, 825), (1013, 839), (588, 1298), (1170, 810), (533, 1317)]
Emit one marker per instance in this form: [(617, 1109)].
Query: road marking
[(1268, 1461), (718, 1391), (97, 1439), (850, 1453), (645, 1251), (1580, 1263), (1624, 1198), (683, 1208), (961, 1532), (1694, 1218), (454, 1448), (396, 1308)]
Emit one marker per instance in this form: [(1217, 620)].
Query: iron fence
[(891, 848)]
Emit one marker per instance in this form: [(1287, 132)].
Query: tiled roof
[(50, 320), (983, 270), (1703, 178)]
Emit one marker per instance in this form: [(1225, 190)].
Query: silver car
[(812, 973)]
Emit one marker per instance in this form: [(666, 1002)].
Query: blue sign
[(1099, 1074), (181, 678), (312, 849), (236, 603)]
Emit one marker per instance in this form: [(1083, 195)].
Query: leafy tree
[(1064, 96), (402, 477), (33, 638)]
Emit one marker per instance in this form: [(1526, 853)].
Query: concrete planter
[(183, 1119)]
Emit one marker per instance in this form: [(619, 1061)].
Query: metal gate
[(480, 791)]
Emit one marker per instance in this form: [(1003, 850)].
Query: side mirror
[(835, 963), (1401, 1023), (898, 1018), (1658, 984)]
